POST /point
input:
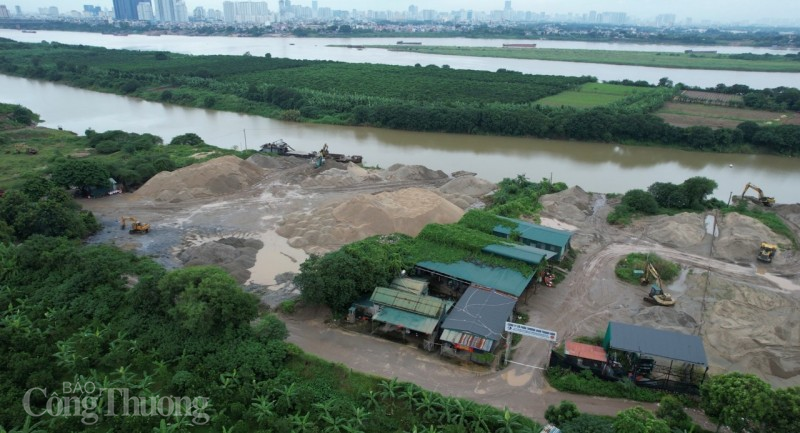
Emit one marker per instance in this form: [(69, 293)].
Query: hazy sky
[(715, 10)]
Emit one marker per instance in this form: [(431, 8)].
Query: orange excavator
[(137, 228), (656, 295), (764, 200)]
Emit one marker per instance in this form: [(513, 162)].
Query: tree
[(640, 201), (671, 410), (696, 189), (639, 420), (188, 139), (784, 413), (737, 400), (558, 415), (80, 173), (206, 299)]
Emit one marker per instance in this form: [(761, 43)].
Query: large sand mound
[(216, 177), (680, 231), (336, 224), (412, 172), (465, 191), (740, 237), (752, 329), (572, 206)]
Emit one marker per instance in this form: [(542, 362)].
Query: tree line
[(418, 98)]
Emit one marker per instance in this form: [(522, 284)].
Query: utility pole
[(244, 131), (729, 198)]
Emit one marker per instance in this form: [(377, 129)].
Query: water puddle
[(711, 226), (275, 258)]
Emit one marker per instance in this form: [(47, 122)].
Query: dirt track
[(746, 315)]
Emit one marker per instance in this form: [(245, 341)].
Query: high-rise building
[(145, 11), (199, 13), (4, 12), (164, 10), (125, 10), (315, 9), (246, 12), (181, 12), (18, 10)]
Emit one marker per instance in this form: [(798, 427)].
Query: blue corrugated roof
[(501, 279), (656, 342), (480, 312), (524, 253), (536, 232)]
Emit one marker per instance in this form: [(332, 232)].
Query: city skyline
[(698, 10)]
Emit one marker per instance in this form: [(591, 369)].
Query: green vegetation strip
[(632, 58), (586, 383), (638, 262)]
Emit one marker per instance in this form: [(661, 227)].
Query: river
[(597, 167), (319, 49)]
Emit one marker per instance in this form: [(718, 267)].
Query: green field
[(593, 95), (767, 63)]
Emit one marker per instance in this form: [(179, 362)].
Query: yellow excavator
[(137, 228), (656, 295), (764, 200), (767, 252)]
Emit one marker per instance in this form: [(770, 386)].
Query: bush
[(561, 414), (670, 409), (288, 306), (640, 201), (667, 270), (586, 383)]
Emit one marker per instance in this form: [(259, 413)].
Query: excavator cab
[(767, 252)]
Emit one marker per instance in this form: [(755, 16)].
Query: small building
[(407, 312), (542, 237), (477, 321), (460, 275), (410, 285), (658, 358)]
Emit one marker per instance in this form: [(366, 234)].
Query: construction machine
[(656, 295), (137, 228), (764, 200), (767, 252)]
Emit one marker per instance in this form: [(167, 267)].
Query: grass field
[(634, 58), (592, 95), (714, 116)]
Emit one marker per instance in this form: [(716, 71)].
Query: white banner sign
[(530, 331)]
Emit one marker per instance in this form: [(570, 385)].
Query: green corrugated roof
[(412, 321), (501, 279), (410, 285), (523, 253), (420, 304), (536, 232)]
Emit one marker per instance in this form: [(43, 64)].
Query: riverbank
[(699, 59)]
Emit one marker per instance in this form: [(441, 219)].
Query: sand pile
[(350, 175), (679, 231), (740, 238), (235, 255), (399, 172), (219, 176), (572, 206), (465, 191), (753, 329), (335, 224)]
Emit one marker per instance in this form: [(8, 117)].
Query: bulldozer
[(137, 228), (656, 295), (767, 252), (764, 200)]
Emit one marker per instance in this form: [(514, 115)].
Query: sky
[(714, 10)]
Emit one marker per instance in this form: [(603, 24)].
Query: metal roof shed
[(524, 253), (501, 279), (481, 313), (534, 234), (655, 342), (428, 306)]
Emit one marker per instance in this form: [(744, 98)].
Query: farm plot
[(710, 97), (715, 116), (593, 95)]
